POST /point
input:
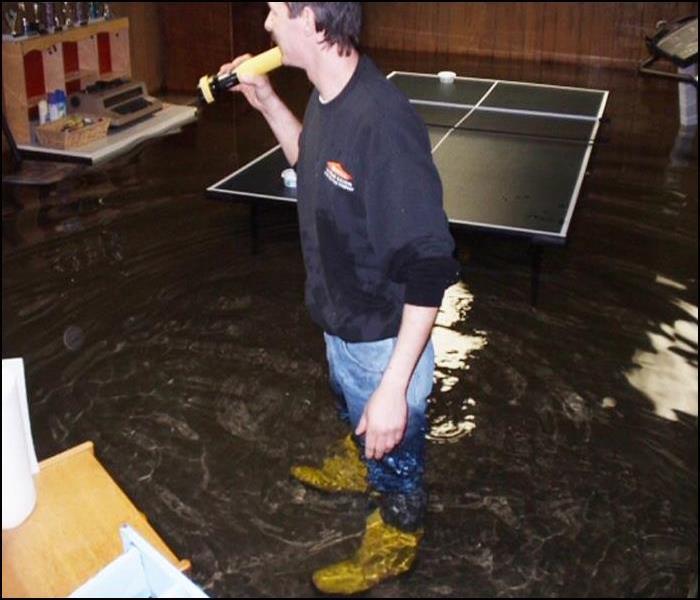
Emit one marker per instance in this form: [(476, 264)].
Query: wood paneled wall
[(248, 25), (598, 32), (144, 41), (197, 39), (174, 44)]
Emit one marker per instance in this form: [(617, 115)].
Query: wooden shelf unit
[(69, 60), (73, 531)]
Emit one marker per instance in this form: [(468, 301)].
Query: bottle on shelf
[(49, 23), (43, 112), (58, 105), (62, 102), (53, 106)]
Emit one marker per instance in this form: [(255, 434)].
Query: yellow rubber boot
[(342, 471), (385, 552)]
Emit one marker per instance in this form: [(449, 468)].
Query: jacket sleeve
[(407, 225)]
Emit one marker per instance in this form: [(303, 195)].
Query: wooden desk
[(74, 530), (170, 118)]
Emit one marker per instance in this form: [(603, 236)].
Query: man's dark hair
[(340, 21)]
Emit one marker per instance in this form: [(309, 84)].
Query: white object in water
[(447, 76), (19, 464), (290, 178), (141, 572)]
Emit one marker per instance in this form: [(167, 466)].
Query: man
[(378, 257)]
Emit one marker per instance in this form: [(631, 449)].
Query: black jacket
[(374, 233)]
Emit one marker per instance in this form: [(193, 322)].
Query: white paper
[(19, 462)]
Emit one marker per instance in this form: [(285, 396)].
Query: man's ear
[(309, 20)]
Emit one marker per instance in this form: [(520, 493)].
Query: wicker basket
[(58, 134)]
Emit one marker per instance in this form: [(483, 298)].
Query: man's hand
[(386, 413), (384, 420), (260, 94), (256, 88)]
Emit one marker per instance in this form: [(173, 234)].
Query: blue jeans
[(356, 369)]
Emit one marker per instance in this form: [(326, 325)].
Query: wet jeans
[(356, 370)]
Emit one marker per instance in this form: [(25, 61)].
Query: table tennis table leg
[(536, 266), (254, 235)]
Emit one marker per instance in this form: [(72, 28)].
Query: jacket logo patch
[(338, 176)]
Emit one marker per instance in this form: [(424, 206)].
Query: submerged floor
[(564, 439)]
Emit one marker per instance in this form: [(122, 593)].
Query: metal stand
[(681, 76), (536, 252)]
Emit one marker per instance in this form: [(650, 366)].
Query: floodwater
[(563, 444)]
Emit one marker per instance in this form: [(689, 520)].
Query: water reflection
[(148, 327), (454, 345), (668, 376)]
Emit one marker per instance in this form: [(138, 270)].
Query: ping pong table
[(512, 156)]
